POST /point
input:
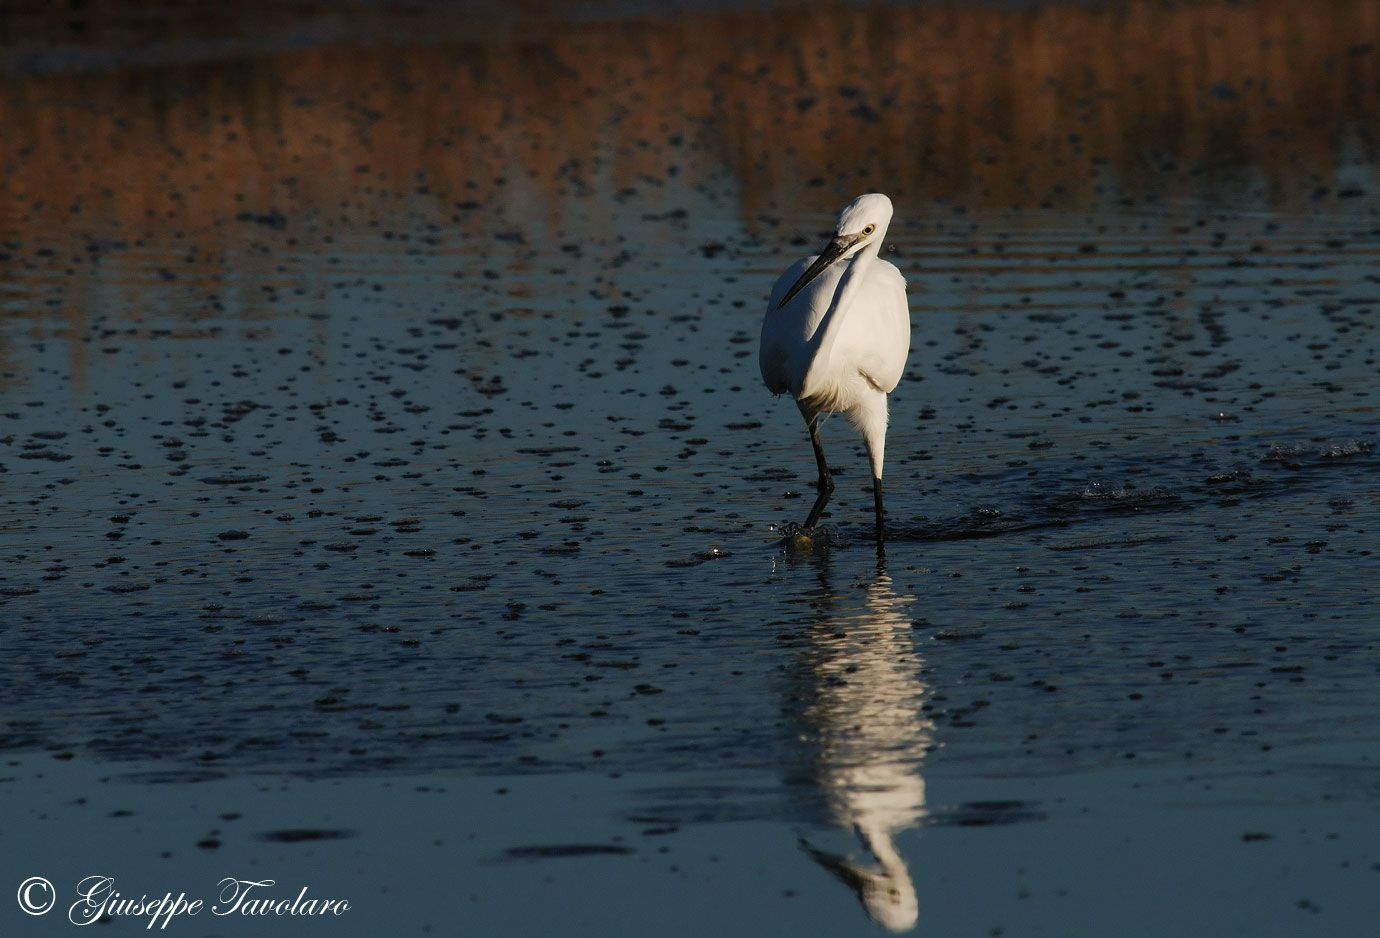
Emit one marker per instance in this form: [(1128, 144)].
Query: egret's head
[(862, 222), (891, 904), (886, 892)]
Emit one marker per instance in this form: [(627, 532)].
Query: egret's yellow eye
[(869, 229)]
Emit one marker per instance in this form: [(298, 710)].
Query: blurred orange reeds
[(1065, 104)]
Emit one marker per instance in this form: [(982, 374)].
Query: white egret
[(836, 336)]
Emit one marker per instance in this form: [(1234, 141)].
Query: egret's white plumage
[(836, 336)]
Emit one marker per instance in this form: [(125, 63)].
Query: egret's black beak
[(836, 865), (832, 252)]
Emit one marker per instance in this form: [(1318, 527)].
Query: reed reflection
[(868, 736)]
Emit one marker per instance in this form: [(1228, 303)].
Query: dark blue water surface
[(372, 528)]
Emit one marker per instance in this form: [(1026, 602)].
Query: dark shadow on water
[(1283, 471)]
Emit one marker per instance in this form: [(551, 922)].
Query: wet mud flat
[(261, 521), (1150, 851), (337, 460)]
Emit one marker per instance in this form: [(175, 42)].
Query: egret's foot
[(796, 538)]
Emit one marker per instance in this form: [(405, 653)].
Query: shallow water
[(327, 454)]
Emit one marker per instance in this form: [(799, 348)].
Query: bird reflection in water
[(869, 737)]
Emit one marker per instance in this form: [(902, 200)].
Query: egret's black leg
[(826, 479), (877, 504)]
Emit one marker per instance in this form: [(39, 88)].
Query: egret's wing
[(880, 342), (782, 342)]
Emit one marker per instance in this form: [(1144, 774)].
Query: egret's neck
[(818, 380), (858, 266), (849, 288), (889, 896)]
